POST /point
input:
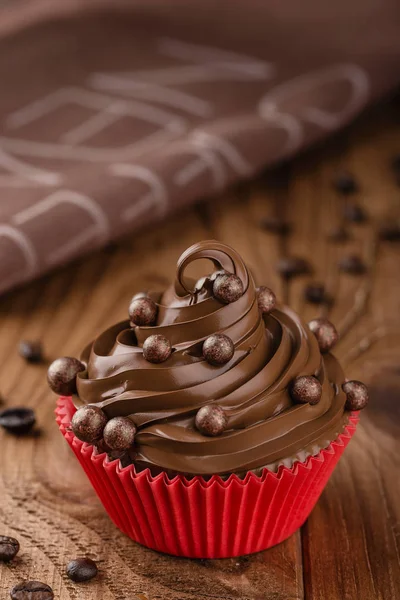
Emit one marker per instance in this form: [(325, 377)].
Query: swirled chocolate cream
[(209, 377)]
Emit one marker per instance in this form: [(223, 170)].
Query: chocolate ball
[(218, 349), (325, 332), (305, 389), (142, 311), (156, 349), (119, 433), (211, 420), (88, 423), (228, 288), (266, 299), (61, 375), (356, 395)]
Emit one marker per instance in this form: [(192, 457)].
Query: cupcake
[(209, 421)]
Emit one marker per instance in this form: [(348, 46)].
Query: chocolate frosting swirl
[(265, 427)]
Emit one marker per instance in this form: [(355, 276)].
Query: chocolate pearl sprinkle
[(142, 311), (315, 293), (119, 433), (305, 389), (228, 288), (325, 333), (266, 299), (88, 423), (211, 420), (218, 349), (356, 395), (156, 349), (62, 373)]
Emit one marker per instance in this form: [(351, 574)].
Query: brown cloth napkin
[(113, 115)]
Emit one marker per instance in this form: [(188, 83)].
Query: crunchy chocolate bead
[(88, 423), (61, 375), (156, 349), (211, 420), (142, 311), (119, 433), (266, 299), (305, 389), (356, 395), (218, 349), (228, 288), (325, 332)]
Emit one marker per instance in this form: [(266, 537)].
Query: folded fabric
[(115, 114)]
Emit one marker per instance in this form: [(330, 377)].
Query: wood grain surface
[(349, 548)]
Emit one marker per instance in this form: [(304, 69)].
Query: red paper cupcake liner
[(206, 519)]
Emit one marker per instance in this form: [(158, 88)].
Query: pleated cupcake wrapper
[(206, 519)]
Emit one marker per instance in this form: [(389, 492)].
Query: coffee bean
[(82, 569), (18, 420), (352, 264), (345, 184), (31, 351), (275, 225), (315, 294), (292, 266), (31, 590), (390, 232), (9, 548), (354, 213), (338, 235)]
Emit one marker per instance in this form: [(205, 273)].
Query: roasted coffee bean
[(315, 293), (18, 420), (275, 225), (345, 184), (31, 590), (352, 264), (292, 266), (354, 213), (31, 351), (338, 235), (390, 232), (9, 548), (82, 569)]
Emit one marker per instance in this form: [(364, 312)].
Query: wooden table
[(349, 548)]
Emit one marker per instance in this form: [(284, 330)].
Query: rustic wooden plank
[(350, 542), (349, 547)]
